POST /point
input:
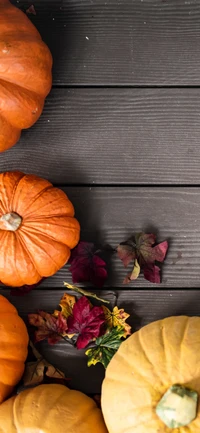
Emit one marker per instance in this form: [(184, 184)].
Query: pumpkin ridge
[(46, 204), (54, 404), (39, 245), (10, 135), (181, 347), (34, 200), (119, 355), (20, 238), (23, 99), (139, 335), (35, 232), (162, 333), (7, 202)]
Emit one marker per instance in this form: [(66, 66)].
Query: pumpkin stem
[(178, 406), (11, 221)]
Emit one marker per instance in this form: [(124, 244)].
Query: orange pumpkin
[(152, 383), (37, 229), (51, 409), (13, 347), (25, 74)]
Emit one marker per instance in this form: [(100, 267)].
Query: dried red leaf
[(126, 253), (142, 250), (31, 10), (87, 266), (86, 322), (48, 327), (152, 274)]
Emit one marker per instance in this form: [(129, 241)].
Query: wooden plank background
[(113, 136), (120, 133), (121, 42)]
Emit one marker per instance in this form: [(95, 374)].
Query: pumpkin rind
[(51, 408), (25, 74), (147, 364), (13, 347), (46, 229)]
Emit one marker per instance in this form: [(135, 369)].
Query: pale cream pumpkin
[(152, 383), (51, 409)]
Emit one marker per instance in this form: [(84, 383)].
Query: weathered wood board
[(121, 42), (113, 136)]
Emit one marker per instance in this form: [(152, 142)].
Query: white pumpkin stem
[(11, 221), (178, 406)]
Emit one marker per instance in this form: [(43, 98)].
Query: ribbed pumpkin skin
[(25, 74), (13, 347), (159, 355), (51, 409), (42, 244)]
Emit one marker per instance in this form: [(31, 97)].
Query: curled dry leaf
[(141, 249), (86, 322), (117, 319), (48, 327), (86, 265), (36, 372)]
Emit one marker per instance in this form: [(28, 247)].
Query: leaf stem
[(85, 292)]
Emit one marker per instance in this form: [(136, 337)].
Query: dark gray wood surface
[(121, 42), (103, 125), (113, 136), (110, 215), (144, 306)]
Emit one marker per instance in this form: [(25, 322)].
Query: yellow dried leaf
[(117, 319), (67, 303)]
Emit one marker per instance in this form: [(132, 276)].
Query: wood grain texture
[(144, 306), (110, 215), (127, 42), (113, 136)]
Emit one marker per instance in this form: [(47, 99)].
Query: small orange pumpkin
[(51, 409), (152, 383), (13, 347), (25, 74), (37, 229)]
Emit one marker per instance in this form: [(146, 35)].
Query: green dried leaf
[(105, 347)]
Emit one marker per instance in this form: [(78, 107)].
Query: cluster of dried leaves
[(141, 250), (95, 328)]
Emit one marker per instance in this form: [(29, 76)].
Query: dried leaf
[(105, 347), (86, 322), (36, 371), (49, 327), (85, 292), (126, 252), (142, 250), (31, 10), (134, 274), (152, 274), (67, 304), (117, 319), (147, 253), (86, 265)]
